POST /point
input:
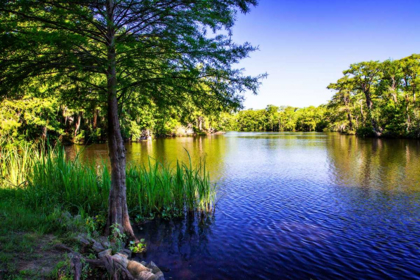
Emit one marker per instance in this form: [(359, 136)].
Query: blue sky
[(306, 44)]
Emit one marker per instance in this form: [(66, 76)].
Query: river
[(291, 206)]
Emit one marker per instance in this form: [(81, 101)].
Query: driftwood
[(116, 266), (112, 265)]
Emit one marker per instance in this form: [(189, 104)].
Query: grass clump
[(44, 179)]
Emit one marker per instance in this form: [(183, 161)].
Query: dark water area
[(292, 206)]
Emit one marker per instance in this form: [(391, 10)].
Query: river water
[(292, 206)]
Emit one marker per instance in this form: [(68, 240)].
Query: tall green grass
[(47, 179)]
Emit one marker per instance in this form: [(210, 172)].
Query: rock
[(98, 247), (105, 242), (136, 268), (146, 275), (155, 269), (121, 260), (160, 275), (106, 252), (83, 240)]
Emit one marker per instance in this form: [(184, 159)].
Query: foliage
[(118, 237), (275, 118), (138, 247), (378, 98)]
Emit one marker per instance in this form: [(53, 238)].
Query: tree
[(112, 48), (365, 76), (272, 112), (342, 99)]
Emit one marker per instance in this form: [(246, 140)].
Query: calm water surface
[(292, 206)]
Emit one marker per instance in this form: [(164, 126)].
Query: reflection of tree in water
[(385, 164), (177, 243)]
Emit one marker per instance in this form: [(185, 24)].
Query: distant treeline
[(371, 99)]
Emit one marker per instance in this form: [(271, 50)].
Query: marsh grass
[(44, 179)]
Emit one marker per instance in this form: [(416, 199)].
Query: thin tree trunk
[(95, 119), (407, 109), (361, 113), (117, 207), (79, 120), (349, 117), (414, 94), (394, 90), (44, 132)]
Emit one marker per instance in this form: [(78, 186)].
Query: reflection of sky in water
[(292, 205)]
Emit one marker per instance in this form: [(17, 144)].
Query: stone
[(155, 269), (83, 240), (105, 242), (146, 275), (136, 268), (98, 247), (160, 275), (106, 252), (121, 260)]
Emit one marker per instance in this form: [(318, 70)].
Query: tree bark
[(350, 118), (44, 132), (394, 90), (117, 207), (95, 119), (79, 120)]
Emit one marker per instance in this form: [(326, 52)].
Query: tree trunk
[(95, 119), (361, 113), (414, 94), (394, 90), (350, 118), (407, 109), (200, 123), (44, 132), (369, 104), (79, 120), (117, 207)]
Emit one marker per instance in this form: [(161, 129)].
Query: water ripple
[(294, 206)]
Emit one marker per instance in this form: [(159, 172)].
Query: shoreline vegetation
[(49, 200), (373, 99)]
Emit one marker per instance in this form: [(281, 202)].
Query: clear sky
[(306, 44)]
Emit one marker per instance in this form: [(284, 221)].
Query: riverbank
[(57, 245), (48, 201)]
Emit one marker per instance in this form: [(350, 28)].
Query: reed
[(46, 179)]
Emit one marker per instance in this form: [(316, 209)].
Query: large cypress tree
[(163, 50)]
